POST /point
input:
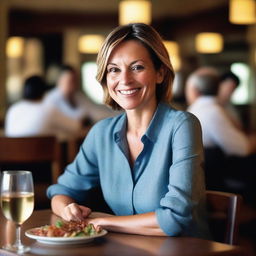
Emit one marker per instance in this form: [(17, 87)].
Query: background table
[(114, 244)]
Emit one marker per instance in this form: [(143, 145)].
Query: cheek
[(110, 88), (110, 82), (150, 77), (145, 79)]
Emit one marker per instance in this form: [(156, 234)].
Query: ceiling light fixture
[(15, 47), (90, 43), (242, 11), (209, 42), (134, 11)]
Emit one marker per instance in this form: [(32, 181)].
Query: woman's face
[(131, 76)]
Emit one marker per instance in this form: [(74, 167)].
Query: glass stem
[(18, 243)]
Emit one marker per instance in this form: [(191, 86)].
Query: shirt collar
[(120, 128), (156, 123), (153, 128)]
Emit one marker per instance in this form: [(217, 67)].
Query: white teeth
[(127, 92)]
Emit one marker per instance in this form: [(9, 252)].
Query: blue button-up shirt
[(167, 177)]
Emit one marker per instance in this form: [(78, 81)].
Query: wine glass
[(17, 202)]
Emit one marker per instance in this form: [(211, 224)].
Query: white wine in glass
[(17, 202)]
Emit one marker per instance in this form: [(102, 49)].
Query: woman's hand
[(97, 219), (75, 212), (142, 224), (65, 207)]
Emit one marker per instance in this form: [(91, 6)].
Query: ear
[(160, 75)]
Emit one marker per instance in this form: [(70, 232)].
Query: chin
[(128, 106)]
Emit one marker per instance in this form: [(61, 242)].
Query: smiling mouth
[(128, 92)]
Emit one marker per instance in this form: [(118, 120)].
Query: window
[(89, 83), (241, 94)]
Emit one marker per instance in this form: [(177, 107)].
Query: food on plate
[(67, 229)]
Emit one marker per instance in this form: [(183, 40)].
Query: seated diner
[(148, 160)]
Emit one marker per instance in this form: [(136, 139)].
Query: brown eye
[(137, 67), (113, 70)]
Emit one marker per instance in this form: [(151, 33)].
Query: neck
[(138, 121), (221, 101)]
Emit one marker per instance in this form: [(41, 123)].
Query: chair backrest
[(22, 150), (73, 145), (41, 155), (214, 167), (73, 148), (223, 211)]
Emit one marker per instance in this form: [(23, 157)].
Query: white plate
[(63, 240)]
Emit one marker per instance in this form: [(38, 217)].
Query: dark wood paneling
[(27, 23)]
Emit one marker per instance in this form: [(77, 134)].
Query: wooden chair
[(73, 145), (223, 211), (33, 153), (73, 148)]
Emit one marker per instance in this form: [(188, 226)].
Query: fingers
[(72, 212), (98, 229), (97, 223), (85, 211)]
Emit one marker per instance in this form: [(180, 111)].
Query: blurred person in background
[(72, 102), (32, 117), (228, 150), (202, 89), (228, 84)]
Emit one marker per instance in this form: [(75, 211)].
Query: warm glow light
[(134, 11), (176, 62), (15, 47), (173, 50), (242, 11), (90, 43), (172, 47), (209, 42)]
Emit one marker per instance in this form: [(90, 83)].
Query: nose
[(125, 77)]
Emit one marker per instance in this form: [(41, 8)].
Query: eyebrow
[(133, 62)]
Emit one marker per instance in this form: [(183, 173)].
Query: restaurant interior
[(37, 37)]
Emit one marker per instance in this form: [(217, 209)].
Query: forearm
[(143, 224), (59, 202)]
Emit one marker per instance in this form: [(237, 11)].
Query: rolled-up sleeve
[(178, 208), (81, 175)]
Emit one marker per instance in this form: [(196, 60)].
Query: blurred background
[(36, 37)]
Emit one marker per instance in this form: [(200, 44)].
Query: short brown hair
[(152, 41)]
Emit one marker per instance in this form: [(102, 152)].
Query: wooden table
[(114, 244)]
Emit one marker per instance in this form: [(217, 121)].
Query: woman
[(147, 161)]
